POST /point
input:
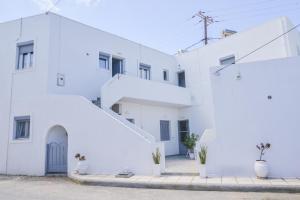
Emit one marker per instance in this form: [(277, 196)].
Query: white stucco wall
[(197, 63), (91, 132), (148, 117), (70, 48), (246, 117), (75, 51), (17, 84)]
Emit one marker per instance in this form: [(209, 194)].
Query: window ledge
[(20, 141)]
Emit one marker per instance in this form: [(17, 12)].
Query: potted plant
[(156, 159), (261, 166), (190, 143), (82, 165), (202, 157)]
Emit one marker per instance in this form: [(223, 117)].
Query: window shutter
[(164, 130), (26, 49)]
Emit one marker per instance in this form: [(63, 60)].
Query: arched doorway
[(57, 150)]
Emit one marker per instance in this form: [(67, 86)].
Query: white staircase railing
[(137, 129)]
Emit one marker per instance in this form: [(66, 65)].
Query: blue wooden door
[(56, 158)]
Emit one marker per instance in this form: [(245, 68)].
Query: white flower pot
[(261, 169), (192, 155), (82, 167), (156, 170), (202, 171)]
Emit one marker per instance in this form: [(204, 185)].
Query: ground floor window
[(131, 120), (164, 130), (116, 108), (22, 127)]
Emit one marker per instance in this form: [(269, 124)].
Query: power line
[(249, 4), (257, 49), (251, 16), (53, 6), (261, 9)]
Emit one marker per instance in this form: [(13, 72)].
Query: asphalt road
[(28, 188)]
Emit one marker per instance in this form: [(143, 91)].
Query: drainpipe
[(10, 101)]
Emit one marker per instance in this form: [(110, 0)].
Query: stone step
[(180, 174)]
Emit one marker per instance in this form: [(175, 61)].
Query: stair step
[(180, 174)]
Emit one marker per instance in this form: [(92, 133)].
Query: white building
[(53, 68)]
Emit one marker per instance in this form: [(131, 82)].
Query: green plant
[(190, 141), (262, 147), (156, 157), (202, 154), (79, 157)]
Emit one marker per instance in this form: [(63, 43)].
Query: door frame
[(180, 72), (179, 135), (122, 68)]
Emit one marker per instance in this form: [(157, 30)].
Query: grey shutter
[(164, 130), (28, 48)]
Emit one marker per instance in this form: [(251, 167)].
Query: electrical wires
[(259, 48)]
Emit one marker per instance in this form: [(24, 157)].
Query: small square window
[(145, 71), (131, 120), (25, 56), (166, 75), (227, 60), (21, 127), (116, 108), (103, 61)]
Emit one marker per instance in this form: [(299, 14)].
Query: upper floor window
[(103, 61), (145, 71), (116, 108), (22, 127), (181, 79), (25, 56), (227, 60), (166, 75)]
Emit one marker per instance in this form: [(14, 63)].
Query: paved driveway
[(24, 188)]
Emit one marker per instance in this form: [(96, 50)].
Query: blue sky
[(162, 24)]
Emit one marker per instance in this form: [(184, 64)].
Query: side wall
[(245, 116), (198, 62), (91, 132), (15, 84), (148, 118), (75, 51)]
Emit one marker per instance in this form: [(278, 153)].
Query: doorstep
[(239, 184)]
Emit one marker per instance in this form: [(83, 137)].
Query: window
[(131, 120), (166, 75), (116, 108), (227, 60), (25, 56), (164, 130), (103, 61), (117, 66), (145, 71), (181, 79), (22, 127)]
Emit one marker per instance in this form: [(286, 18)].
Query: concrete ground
[(28, 188), (180, 164)]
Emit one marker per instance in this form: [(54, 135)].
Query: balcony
[(125, 87)]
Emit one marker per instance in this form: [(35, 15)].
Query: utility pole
[(207, 20)]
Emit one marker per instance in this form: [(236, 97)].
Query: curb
[(193, 187)]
